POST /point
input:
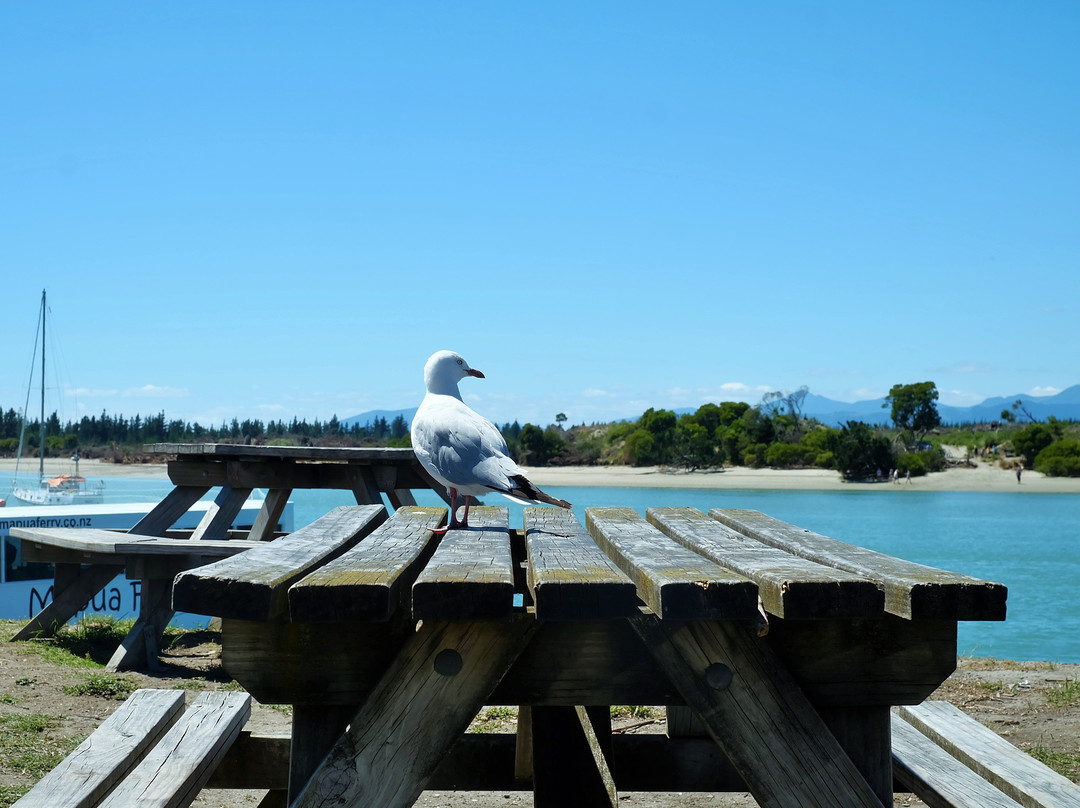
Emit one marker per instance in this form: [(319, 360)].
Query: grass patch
[(493, 719), (28, 745), (1066, 695), (105, 685), (633, 711), (1067, 764)]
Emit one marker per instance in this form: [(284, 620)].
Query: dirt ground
[(1010, 697)]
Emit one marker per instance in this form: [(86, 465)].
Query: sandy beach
[(984, 477)]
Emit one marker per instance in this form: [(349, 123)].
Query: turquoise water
[(1029, 542)]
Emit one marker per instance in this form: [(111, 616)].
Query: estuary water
[(1029, 542)]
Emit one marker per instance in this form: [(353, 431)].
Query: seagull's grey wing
[(462, 447)]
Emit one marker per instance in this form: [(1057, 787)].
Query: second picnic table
[(781, 647)]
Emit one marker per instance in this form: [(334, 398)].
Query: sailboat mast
[(41, 448)]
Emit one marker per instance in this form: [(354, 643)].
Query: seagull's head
[(444, 370)]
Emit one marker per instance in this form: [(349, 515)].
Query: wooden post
[(315, 730), (571, 749)]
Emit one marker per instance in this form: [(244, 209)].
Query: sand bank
[(984, 477)]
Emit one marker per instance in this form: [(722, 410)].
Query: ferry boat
[(26, 587)]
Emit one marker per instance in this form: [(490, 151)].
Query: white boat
[(61, 489), (26, 587)]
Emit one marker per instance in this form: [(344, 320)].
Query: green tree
[(661, 425), (913, 408), (858, 452), (695, 445), (1031, 440)]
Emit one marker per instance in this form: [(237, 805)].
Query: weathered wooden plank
[(935, 776), (370, 581), (982, 750), (283, 473), (873, 662), (790, 587), (911, 590), (569, 576), (754, 709), (341, 454), (96, 765), (470, 576), (118, 544), (172, 773), (254, 585), (425, 701), (673, 581)]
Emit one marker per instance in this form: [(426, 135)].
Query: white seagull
[(460, 448)]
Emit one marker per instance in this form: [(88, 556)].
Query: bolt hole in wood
[(448, 662), (718, 676)]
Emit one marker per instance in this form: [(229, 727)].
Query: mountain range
[(1064, 406)]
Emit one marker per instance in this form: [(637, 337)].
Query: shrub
[(919, 463), (785, 455), (1060, 459)]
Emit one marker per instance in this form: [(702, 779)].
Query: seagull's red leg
[(454, 524), (465, 518)]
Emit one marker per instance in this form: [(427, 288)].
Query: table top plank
[(470, 576), (911, 590), (791, 587), (368, 581), (672, 580), (569, 576), (254, 585), (110, 542)]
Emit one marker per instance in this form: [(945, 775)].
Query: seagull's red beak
[(476, 373)]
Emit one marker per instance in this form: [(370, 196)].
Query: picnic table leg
[(165, 513), (865, 733), (315, 730), (228, 503), (755, 711), (267, 520), (139, 648), (73, 587), (424, 701), (571, 749)]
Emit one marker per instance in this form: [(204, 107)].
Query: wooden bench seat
[(149, 752), (950, 760)]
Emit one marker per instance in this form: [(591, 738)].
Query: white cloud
[(594, 392), (156, 391), (1040, 390)]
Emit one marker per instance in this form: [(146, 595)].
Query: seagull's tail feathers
[(523, 489)]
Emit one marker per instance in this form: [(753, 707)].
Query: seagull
[(460, 448)]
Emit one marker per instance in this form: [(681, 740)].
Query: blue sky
[(275, 209)]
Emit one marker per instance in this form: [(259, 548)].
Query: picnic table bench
[(86, 560), (787, 649), (149, 752)]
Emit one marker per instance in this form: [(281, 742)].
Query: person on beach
[(1019, 471)]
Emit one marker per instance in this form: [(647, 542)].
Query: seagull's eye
[(461, 361)]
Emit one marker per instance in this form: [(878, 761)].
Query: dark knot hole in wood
[(718, 676), (448, 662)]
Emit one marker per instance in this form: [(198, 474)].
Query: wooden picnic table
[(778, 652), (87, 560)]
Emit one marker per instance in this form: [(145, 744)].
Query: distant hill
[(366, 418), (1064, 405)]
